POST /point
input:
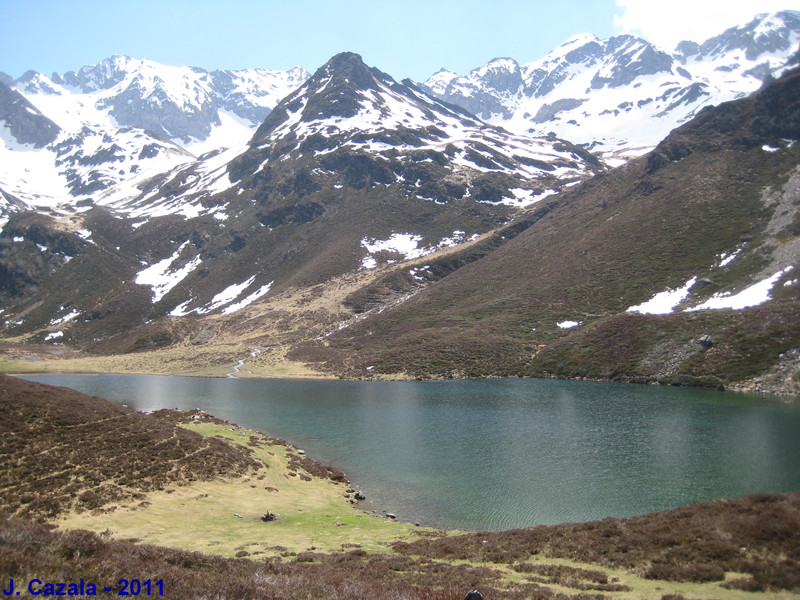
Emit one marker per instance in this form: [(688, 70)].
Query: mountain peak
[(348, 68), (500, 74), (766, 34), (337, 90)]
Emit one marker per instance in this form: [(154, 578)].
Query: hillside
[(370, 230), (732, 549), (640, 274), (351, 171), (63, 450)]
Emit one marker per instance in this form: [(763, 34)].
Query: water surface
[(502, 453)]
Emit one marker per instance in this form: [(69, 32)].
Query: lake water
[(502, 453)]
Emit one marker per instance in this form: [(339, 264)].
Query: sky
[(410, 38)]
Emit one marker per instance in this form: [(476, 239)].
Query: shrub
[(80, 543)]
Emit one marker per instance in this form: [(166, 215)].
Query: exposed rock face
[(157, 112), (631, 60), (26, 124)]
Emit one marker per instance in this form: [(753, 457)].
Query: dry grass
[(271, 327), (312, 505)]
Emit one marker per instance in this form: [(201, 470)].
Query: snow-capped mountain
[(359, 127), (623, 94), (349, 110), (184, 104), (351, 171), (368, 227), (122, 122), (102, 132)]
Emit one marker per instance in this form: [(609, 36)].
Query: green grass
[(314, 514)]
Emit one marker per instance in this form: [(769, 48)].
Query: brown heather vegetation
[(694, 544), (62, 450), (757, 535)]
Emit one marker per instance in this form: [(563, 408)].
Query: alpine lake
[(499, 454)]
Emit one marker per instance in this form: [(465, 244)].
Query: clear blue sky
[(412, 38)]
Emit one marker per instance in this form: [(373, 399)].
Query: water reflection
[(498, 454)]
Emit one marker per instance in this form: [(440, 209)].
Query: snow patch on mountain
[(664, 302), (407, 245), (236, 306), (29, 173), (162, 277), (754, 295), (225, 298)]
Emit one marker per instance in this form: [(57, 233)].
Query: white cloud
[(667, 23)]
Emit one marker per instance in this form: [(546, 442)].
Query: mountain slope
[(351, 171), (347, 109), (641, 274), (623, 94), (368, 228)]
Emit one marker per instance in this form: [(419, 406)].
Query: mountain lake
[(502, 453)]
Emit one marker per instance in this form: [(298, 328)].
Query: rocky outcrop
[(26, 124), (157, 112)]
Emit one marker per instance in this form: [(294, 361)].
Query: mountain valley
[(343, 223)]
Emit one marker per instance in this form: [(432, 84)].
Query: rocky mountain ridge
[(182, 103), (620, 96), (125, 120)]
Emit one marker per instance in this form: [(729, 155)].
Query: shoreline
[(385, 502), (210, 520), (745, 389), (21, 359)]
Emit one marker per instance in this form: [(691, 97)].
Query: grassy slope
[(313, 513), (631, 234), (102, 466)]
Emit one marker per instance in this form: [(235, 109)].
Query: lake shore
[(739, 549), (21, 359)]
